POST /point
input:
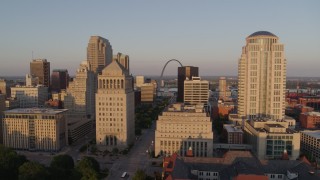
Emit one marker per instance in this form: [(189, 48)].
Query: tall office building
[(5, 87), (99, 53), (223, 90), (115, 107), (59, 80), (30, 96), (196, 91), (2, 109), (31, 80), (80, 102), (41, 68), (262, 77), (123, 60), (80, 93), (183, 73)]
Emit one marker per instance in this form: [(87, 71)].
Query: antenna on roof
[(32, 54)]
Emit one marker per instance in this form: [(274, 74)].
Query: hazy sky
[(207, 34)]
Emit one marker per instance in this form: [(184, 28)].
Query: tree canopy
[(32, 171)]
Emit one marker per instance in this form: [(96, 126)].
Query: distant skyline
[(206, 34)]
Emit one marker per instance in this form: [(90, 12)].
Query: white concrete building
[(181, 127), (262, 77), (139, 81), (196, 91), (115, 107), (35, 129)]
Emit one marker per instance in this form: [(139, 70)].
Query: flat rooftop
[(232, 128), (35, 111), (275, 125), (315, 134), (313, 113)]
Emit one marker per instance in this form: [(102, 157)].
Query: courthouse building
[(183, 127)]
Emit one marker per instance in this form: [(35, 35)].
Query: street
[(137, 158)]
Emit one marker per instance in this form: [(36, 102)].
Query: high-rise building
[(183, 73), (123, 60), (99, 53), (5, 87), (80, 102), (80, 93), (35, 129), (148, 93), (139, 81), (30, 96), (262, 77), (2, 109), (223, 90), (115, 107), (196, 91), (31, 80), (41, 68), (184, 127), (59, 80)]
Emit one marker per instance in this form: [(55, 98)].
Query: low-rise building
[(223, 109), (271, 138), (234, 134), (310, 120), (35, 129), (236, 165), (181, 127), (310, 143)]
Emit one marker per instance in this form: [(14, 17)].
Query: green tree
[(139, 175), (32, 171), (9, 163), (61, 167), (89, 168)]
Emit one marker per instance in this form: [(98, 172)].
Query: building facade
[(234, 134), (270, 139), (35, 129), (2, 109), (148, 93), (41, 68), (184, 73), (5, 87), (80, 96), (196, 91), (59, 80), (262, 77), (139, 81), (99, 53), (310, 120), (310, 143), (30, 96), (31, 80), (183, 127), (123, 60), (80, 102), (115, 107)]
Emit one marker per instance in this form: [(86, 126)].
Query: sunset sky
[(208, 34)]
